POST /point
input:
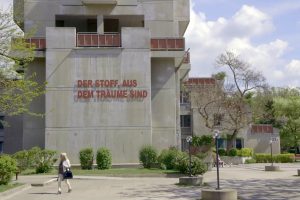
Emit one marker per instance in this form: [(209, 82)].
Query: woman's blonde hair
[(63, 156)]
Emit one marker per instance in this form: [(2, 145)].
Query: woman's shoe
[(69, 190), (59, 192)]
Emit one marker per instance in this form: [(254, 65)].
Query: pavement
[(251, 181)]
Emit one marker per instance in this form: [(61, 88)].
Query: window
[(184, 97), (1, 147), (222, 143), (111, 25), (239, 143), (1, 122), (218, 119), (185, 121)]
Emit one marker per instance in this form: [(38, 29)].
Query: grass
[(113, 172), (4, 188)]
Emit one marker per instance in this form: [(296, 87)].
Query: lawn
[(4, 188), (115, 172)]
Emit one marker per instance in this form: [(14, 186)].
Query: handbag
[(68, 174)]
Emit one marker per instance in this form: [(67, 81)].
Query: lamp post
[(271, 147), (216, 136), (189, 140)]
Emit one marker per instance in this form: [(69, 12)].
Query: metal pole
[(217, 153), (190, 157)]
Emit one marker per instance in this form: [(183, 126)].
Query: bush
[(232, 152), (197, 166), (86, 157), (103, 158), (250, 161), (8, 166), (168, 157), (284, 158), (280, 158), (44, 160), (23, 160), (222, 152), (245, 152), (147, 156)]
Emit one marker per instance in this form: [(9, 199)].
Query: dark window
[(239, 143), (184, 97), (60, 23), (111, 25), (222, 143), (1, 122), (185, 121), (1, 147), (92, 25)]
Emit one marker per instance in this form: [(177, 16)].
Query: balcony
[(98, 40), (38, 43), (168, 44), (95, 2)]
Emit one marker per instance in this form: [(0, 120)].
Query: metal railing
[(98, 40), (38, 43), (167, 44)]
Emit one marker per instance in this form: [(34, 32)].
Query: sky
[(265, 33)]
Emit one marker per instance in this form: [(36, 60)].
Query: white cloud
[(294, 68), (208, 39)]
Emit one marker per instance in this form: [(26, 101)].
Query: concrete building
[(202, 93), (113, 71)]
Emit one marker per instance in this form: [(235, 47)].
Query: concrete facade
[(146, 50)]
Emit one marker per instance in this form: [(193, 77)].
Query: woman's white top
[(66, 164)]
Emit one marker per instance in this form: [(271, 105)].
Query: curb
[(14, 191), (44, 183)]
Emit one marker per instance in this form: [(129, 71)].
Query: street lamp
[(217, 136), (189, 140), (271, 147)]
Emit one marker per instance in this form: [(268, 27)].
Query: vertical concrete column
[(100, 24)]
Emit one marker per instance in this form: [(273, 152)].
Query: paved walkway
[(251, 182)]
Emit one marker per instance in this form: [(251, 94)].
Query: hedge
[(86, 157), (279, 158), (148, 156)]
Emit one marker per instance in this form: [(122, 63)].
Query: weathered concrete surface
[(223, 194), (194, 180), (272, 168), (251, 182)]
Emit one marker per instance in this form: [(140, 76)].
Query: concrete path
[(251, 182)]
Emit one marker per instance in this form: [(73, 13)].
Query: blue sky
[(265, 33)]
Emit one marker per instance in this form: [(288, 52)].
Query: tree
[(242, 81), (287, 109), (17, 88), (227, 105)]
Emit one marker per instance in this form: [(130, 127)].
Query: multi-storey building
[(113, 70), (201, 93)]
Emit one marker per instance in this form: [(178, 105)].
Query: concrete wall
[(163, 102), (34, 126), (121, 126), (260, 142), (13, 135)]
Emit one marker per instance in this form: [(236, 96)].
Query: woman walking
[(64, 164)]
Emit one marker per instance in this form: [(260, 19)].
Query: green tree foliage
[(8, 166), (17, 89), (288, 111)]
